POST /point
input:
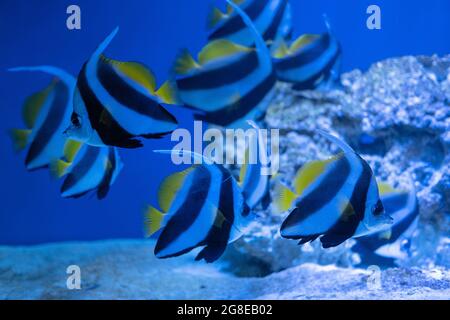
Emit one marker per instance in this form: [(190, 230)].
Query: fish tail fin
[(71, 149), (214, 17), (283, 198), (66, 77), (168, 93), (105, 43), (58, 168), (259, 41), (184, 63), (153, 220), (19, 138)]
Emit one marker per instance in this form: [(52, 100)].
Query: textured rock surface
[(128, 270), (402, 107)]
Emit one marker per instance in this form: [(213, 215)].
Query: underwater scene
[(225, 150)]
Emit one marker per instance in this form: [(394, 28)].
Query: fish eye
[(378, 208), (76, 120)]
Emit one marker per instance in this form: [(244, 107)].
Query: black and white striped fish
[(116, 102), (202, 206), (272, 19), (310, 62), (230, 83), (46, 115), (335, 200), (389, 245)]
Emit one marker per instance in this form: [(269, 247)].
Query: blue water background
[(34, 32)]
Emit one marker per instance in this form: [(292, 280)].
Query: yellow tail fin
[(20, 138), (153, 220), (58, 168), (168, 93), (283, 198)]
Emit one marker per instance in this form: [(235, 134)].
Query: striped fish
[(310, 62), (335, 200), (252, 180), (393, 243), (230, 83), (94, 169), (116, 102), (46, 115), (272, 19), (202, 206)]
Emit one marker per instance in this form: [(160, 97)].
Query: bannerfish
[(272, 19), (116, 102), (253, 179), (230, 83), (46, 115), (393, 243), (202, 206), (94, 169), (312, 61), (334, 199)]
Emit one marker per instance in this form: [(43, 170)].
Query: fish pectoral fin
[(58, 168), (185, 63), (220, 48), (346, 210), (385, 235), (168, 93), (215, 16), (303, 41), (283, 198), (19, 138), (310, 172), (385, 188), (212, 251), (33, 105), (134, 71), (153, 220), (71, 149)]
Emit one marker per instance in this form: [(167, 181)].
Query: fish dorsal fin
[(218, 49), (153, 220), (244, 167), (58, 168), (71, 149), (385, 188), (135, 71), (283, 198), (281, 50), (302, 41), (309, 173), (185, 63), (215, 16), (33, 105), (168, 93), (169, 188), (20, 138)]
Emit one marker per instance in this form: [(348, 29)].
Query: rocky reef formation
[(397, 116)]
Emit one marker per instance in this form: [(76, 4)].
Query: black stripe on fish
[(309, 55), (311, 83), (229, 114), (81, 169), (221, 76), (104, 186), (52, 121), (108, 129), (187, 213), (271, 32), (128, 96), (320, 196), (218, 237), (346, 227), (235, 24)]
